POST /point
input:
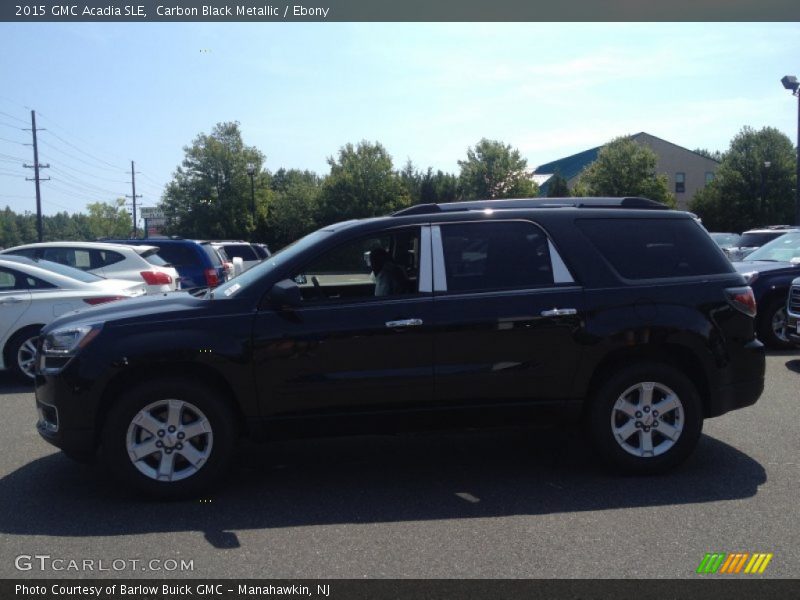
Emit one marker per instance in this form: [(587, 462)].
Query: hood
[(762, 266), (170, 304)]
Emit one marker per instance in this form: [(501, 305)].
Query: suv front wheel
[(646, 419), (170, 438)]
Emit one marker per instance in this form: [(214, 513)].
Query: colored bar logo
[(738, 562)]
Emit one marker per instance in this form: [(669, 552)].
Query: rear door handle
[(404, 323), (559, 312)]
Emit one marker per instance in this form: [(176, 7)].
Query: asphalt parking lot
[(518, 504)]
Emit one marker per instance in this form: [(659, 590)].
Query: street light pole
[(251, 170), (790, 83)]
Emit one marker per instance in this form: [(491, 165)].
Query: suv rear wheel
[(646, 419), (170, 438)]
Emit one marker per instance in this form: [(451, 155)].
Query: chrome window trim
[(439, 275), (561, 273), (425, 261)]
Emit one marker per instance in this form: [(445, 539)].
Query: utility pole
[(134, 197), (36, 166)]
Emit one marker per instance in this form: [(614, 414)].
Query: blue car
[(197, 263), (770, 271)]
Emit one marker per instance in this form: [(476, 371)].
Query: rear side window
[(178, 255), (655, 248), (212, 255), (494, 256), (72, 257), (152, 257), (109, 257), (243, 251)]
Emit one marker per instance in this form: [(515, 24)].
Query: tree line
[(223, 190)]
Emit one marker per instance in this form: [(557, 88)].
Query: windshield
[(256, 273), (67, 271), (726, 240), (750, 240), (784, 249)]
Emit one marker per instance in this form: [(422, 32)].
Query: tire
[(20, 353), (770, 325), (672, 432), (189, 427)]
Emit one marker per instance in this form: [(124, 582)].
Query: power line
[(80, 181), (10, 173), (5, 114), (10, 156), (71, 168), (17, 127), (115, 167), (73, 135), (80, 160), (13, 141), (86, 189)]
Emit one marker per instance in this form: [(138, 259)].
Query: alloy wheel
[(169, 440), (647, 419)]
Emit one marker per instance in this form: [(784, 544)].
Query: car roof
[(91, 245)]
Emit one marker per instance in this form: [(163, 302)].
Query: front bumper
[(793, 327), (67, 407)]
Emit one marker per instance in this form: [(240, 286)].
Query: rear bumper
[(747, 382)]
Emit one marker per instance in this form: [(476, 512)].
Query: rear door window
[(243, 251), (495, 256), (178, 255), (655, 248)]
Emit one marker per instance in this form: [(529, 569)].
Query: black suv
[(488, 313)]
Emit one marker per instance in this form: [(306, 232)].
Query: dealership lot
[(490, 504)]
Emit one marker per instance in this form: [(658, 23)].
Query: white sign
[(151, 212)]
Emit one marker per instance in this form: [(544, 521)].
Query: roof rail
[(626, 202)]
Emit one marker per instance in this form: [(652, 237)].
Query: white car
[(35, 292), (116, 261)]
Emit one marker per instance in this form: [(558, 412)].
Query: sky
[(109, 93)]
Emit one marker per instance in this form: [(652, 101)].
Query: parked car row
[(39, 282), (35, 291)]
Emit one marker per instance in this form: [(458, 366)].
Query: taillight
[(156, 278), (742, 299), (103, 299), (211, 278)]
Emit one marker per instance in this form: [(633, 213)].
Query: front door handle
[(404, 323), (10, 300), (559, 312)]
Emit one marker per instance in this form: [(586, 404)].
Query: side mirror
[(285, 295)]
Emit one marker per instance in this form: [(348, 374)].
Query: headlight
[(67, 341)]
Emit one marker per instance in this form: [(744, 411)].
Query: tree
[(109, 219), (557, 186), (430, 187), (624, 168), (715, 155), (210, 194), (362, 183), (495, 170), (746, 192), (292, 208)]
